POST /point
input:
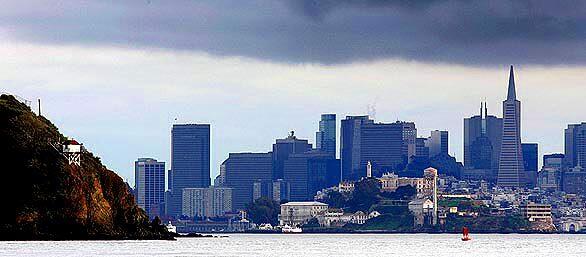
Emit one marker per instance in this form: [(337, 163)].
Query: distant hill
[(45, 198)]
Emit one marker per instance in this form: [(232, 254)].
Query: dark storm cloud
[(324, 31)]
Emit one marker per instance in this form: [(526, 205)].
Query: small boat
[(171, 228), (465, 235), (265, 226), (289, 229)]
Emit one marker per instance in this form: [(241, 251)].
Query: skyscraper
[(530, 155), (511, 171), (530, 152), (310, 172), (362, 140), (482, 143), (437, 143), (242, 170), (149, 177), (550, 176), (421, 148), (325, 138), (575, 145), (190, 161), (206, 202), (409, 139), (282, 148)]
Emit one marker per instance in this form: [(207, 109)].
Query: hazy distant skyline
[(116, 75)]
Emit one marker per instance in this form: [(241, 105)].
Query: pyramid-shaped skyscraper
[(511, 172)]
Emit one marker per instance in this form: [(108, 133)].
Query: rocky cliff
[(45, 198)]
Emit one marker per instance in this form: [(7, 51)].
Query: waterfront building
[(536, 211), (242, 170), (482, 143), (437, 143), (575, 145), (511, 171), (298, 213), (206, 202), (530, 159), (283, 148), (423, 212), (362, 140), (190, 161), (325, 138), (149, 177), (309, 172), (572, 224)]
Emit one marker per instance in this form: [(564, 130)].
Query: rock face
[(45, 198)]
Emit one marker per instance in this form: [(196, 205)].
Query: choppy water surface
[(306, 245)]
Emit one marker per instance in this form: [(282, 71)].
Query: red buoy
[(465, 235)]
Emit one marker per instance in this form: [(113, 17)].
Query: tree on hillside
[(335, 199), (407, 192), (264, 210), (366, 193)]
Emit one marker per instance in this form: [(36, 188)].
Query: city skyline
[(117, 74), (455, 138)]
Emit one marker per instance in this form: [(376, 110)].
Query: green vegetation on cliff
[(45, 198), (264, 210)]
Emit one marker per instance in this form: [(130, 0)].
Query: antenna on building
[(481, 109)]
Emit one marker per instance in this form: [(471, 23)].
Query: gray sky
[(116, 75)]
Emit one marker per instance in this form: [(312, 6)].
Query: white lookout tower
[(72, 152), (369, 170)]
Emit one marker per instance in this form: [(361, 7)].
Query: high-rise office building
[(409, 139), (149, 177), (550, 176), (555, 160), (206, 202), (262, 188), (282, 148), (575, 145), (362, 140), (325, 138), (482, 144), (220, 180), (310, 172), (278, 190), (530, 155), (281, 190), (574, 180), (242, 170), (530, 152), (437, 143), (511, 171), (190, 161), (421, 148)]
